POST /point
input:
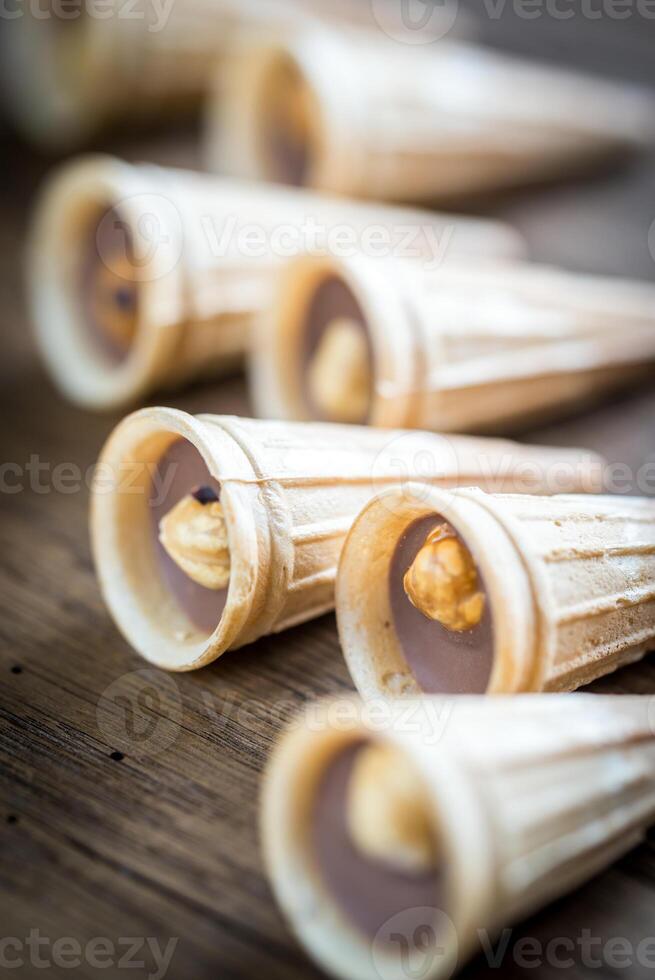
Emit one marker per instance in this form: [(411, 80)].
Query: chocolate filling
[(368, 892), (180, 471), (287, 129), (109, 296), (443, 661), (333, 300)]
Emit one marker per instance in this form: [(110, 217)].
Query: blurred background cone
[(359, 115), (142, 277)]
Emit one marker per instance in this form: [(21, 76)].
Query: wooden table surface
[(161, 841)]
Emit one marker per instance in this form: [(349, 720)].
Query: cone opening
[(336, 356), (102, 285), (369, 889), (108, 292), (152, 463), (95, 285), (180, 473), (372, 916), (319, 318), (394, 643), (443, 659), (287, 122)]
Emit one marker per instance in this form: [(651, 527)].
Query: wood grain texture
[(163, 842)]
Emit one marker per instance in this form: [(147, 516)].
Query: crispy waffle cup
[(70, 74), (289, 494), (570, 581), (468, 346), (528, 797), (201, 276), (370, 118)]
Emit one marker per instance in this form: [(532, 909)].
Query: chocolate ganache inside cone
[(109, 292), (289, 113), (443, 660), (337, 368), (182, 471), (369, 890)]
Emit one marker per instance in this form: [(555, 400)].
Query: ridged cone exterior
[(519, 343), (207, 277), (468, 346), (170, 61), (290, 493), (175, 63), (569, 579), (128, 65), (148, 61), (419, 122), (531, 797), (591, 564)]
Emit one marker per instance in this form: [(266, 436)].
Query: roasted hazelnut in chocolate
[(397, 840), (335, 356), (441, 617), (210, 532), (464, 592), (374, 841)]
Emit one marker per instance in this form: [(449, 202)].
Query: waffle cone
[(408, 122), (65, 82), (202, 276), (290, 493), (467, 347), (570, 581), (529, 797)]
